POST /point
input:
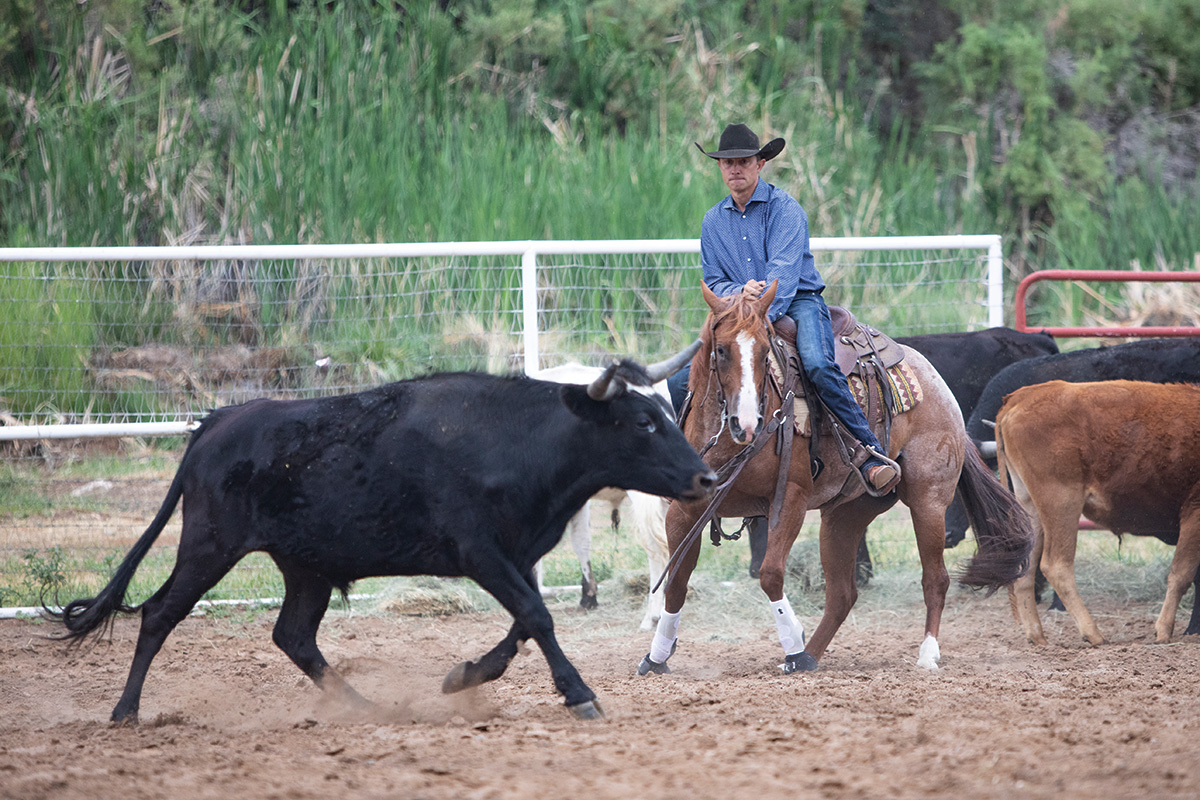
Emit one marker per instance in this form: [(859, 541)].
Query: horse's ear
[(764, 301), (713, 301)]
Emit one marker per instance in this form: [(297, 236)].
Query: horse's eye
[(722, 352)]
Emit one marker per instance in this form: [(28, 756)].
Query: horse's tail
[(83, 617), (1002, 528)]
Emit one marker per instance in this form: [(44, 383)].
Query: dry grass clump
[(1149, 304), (432, 597)]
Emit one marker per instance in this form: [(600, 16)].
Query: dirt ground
[(225, 715)]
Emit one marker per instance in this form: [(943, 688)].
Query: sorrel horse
[(731, 396)]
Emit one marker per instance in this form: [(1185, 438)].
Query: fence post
[(529, 309), (995, 281)]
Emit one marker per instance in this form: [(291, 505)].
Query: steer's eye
[(646, 425)]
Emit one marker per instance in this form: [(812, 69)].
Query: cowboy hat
[(738, 141)]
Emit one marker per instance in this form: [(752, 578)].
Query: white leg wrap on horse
[(664, 637), (930, 654), (791, 632)]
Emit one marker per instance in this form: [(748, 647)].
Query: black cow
[(1154, 360), (967, 361), (454, 475)]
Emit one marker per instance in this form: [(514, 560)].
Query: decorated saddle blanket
[(880, 380)]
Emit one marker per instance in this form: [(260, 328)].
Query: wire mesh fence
[(169, 339)]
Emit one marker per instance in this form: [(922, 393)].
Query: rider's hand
[(754, 289)]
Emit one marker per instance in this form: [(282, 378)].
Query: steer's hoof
[(456, 679), (800, 662), (589, 710), (647, 666)]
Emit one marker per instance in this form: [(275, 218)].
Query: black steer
[(1153, 360), (454, 475)]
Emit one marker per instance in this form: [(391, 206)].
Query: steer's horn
[(665, 369), (604, 388)]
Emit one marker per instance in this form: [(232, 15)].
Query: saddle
[(880, 381), (853, 342), (872, 362)]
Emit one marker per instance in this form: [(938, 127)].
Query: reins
[(727, 473)]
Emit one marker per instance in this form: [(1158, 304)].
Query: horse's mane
[(740, 311)]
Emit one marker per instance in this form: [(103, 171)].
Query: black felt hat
[(738, 141)]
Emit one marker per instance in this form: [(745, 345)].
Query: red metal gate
[(1108, 276)]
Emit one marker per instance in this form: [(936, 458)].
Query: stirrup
[(890, 486)]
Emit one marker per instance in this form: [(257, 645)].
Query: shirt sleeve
[(710, 262), (788, 258)]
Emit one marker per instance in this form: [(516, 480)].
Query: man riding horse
[(759, 234), (741, 398)]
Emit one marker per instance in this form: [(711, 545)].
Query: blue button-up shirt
[(768, 241)]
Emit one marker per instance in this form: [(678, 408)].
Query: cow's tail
[(83, 617), (1002, 528)]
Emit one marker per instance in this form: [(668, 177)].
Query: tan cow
[(1124, 454)]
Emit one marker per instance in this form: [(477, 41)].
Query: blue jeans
[(814, 340), (677, 384)]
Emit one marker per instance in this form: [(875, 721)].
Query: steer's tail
[(1002, 528), (82, 617)]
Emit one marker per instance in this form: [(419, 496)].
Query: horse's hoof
[(647, 666), (589, 710), (658, 668), (456, 679), (800, 662)]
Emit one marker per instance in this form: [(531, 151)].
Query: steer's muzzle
[(702, 484)]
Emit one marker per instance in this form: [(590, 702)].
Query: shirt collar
[(761, 194)]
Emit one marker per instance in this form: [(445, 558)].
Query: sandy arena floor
[(225, 715)]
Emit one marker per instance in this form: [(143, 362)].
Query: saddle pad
[(902, 383)]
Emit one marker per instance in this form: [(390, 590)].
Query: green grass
[(364, 123)]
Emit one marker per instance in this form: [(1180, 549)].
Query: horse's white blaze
[(747, 400), (930, 654)]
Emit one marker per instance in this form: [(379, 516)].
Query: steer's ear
[(577, 401)]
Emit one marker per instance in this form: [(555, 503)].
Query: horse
[(730, 396)]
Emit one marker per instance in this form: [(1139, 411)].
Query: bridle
[(722, 398), (727, 473)]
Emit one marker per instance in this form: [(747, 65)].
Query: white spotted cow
[(644, 513)]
